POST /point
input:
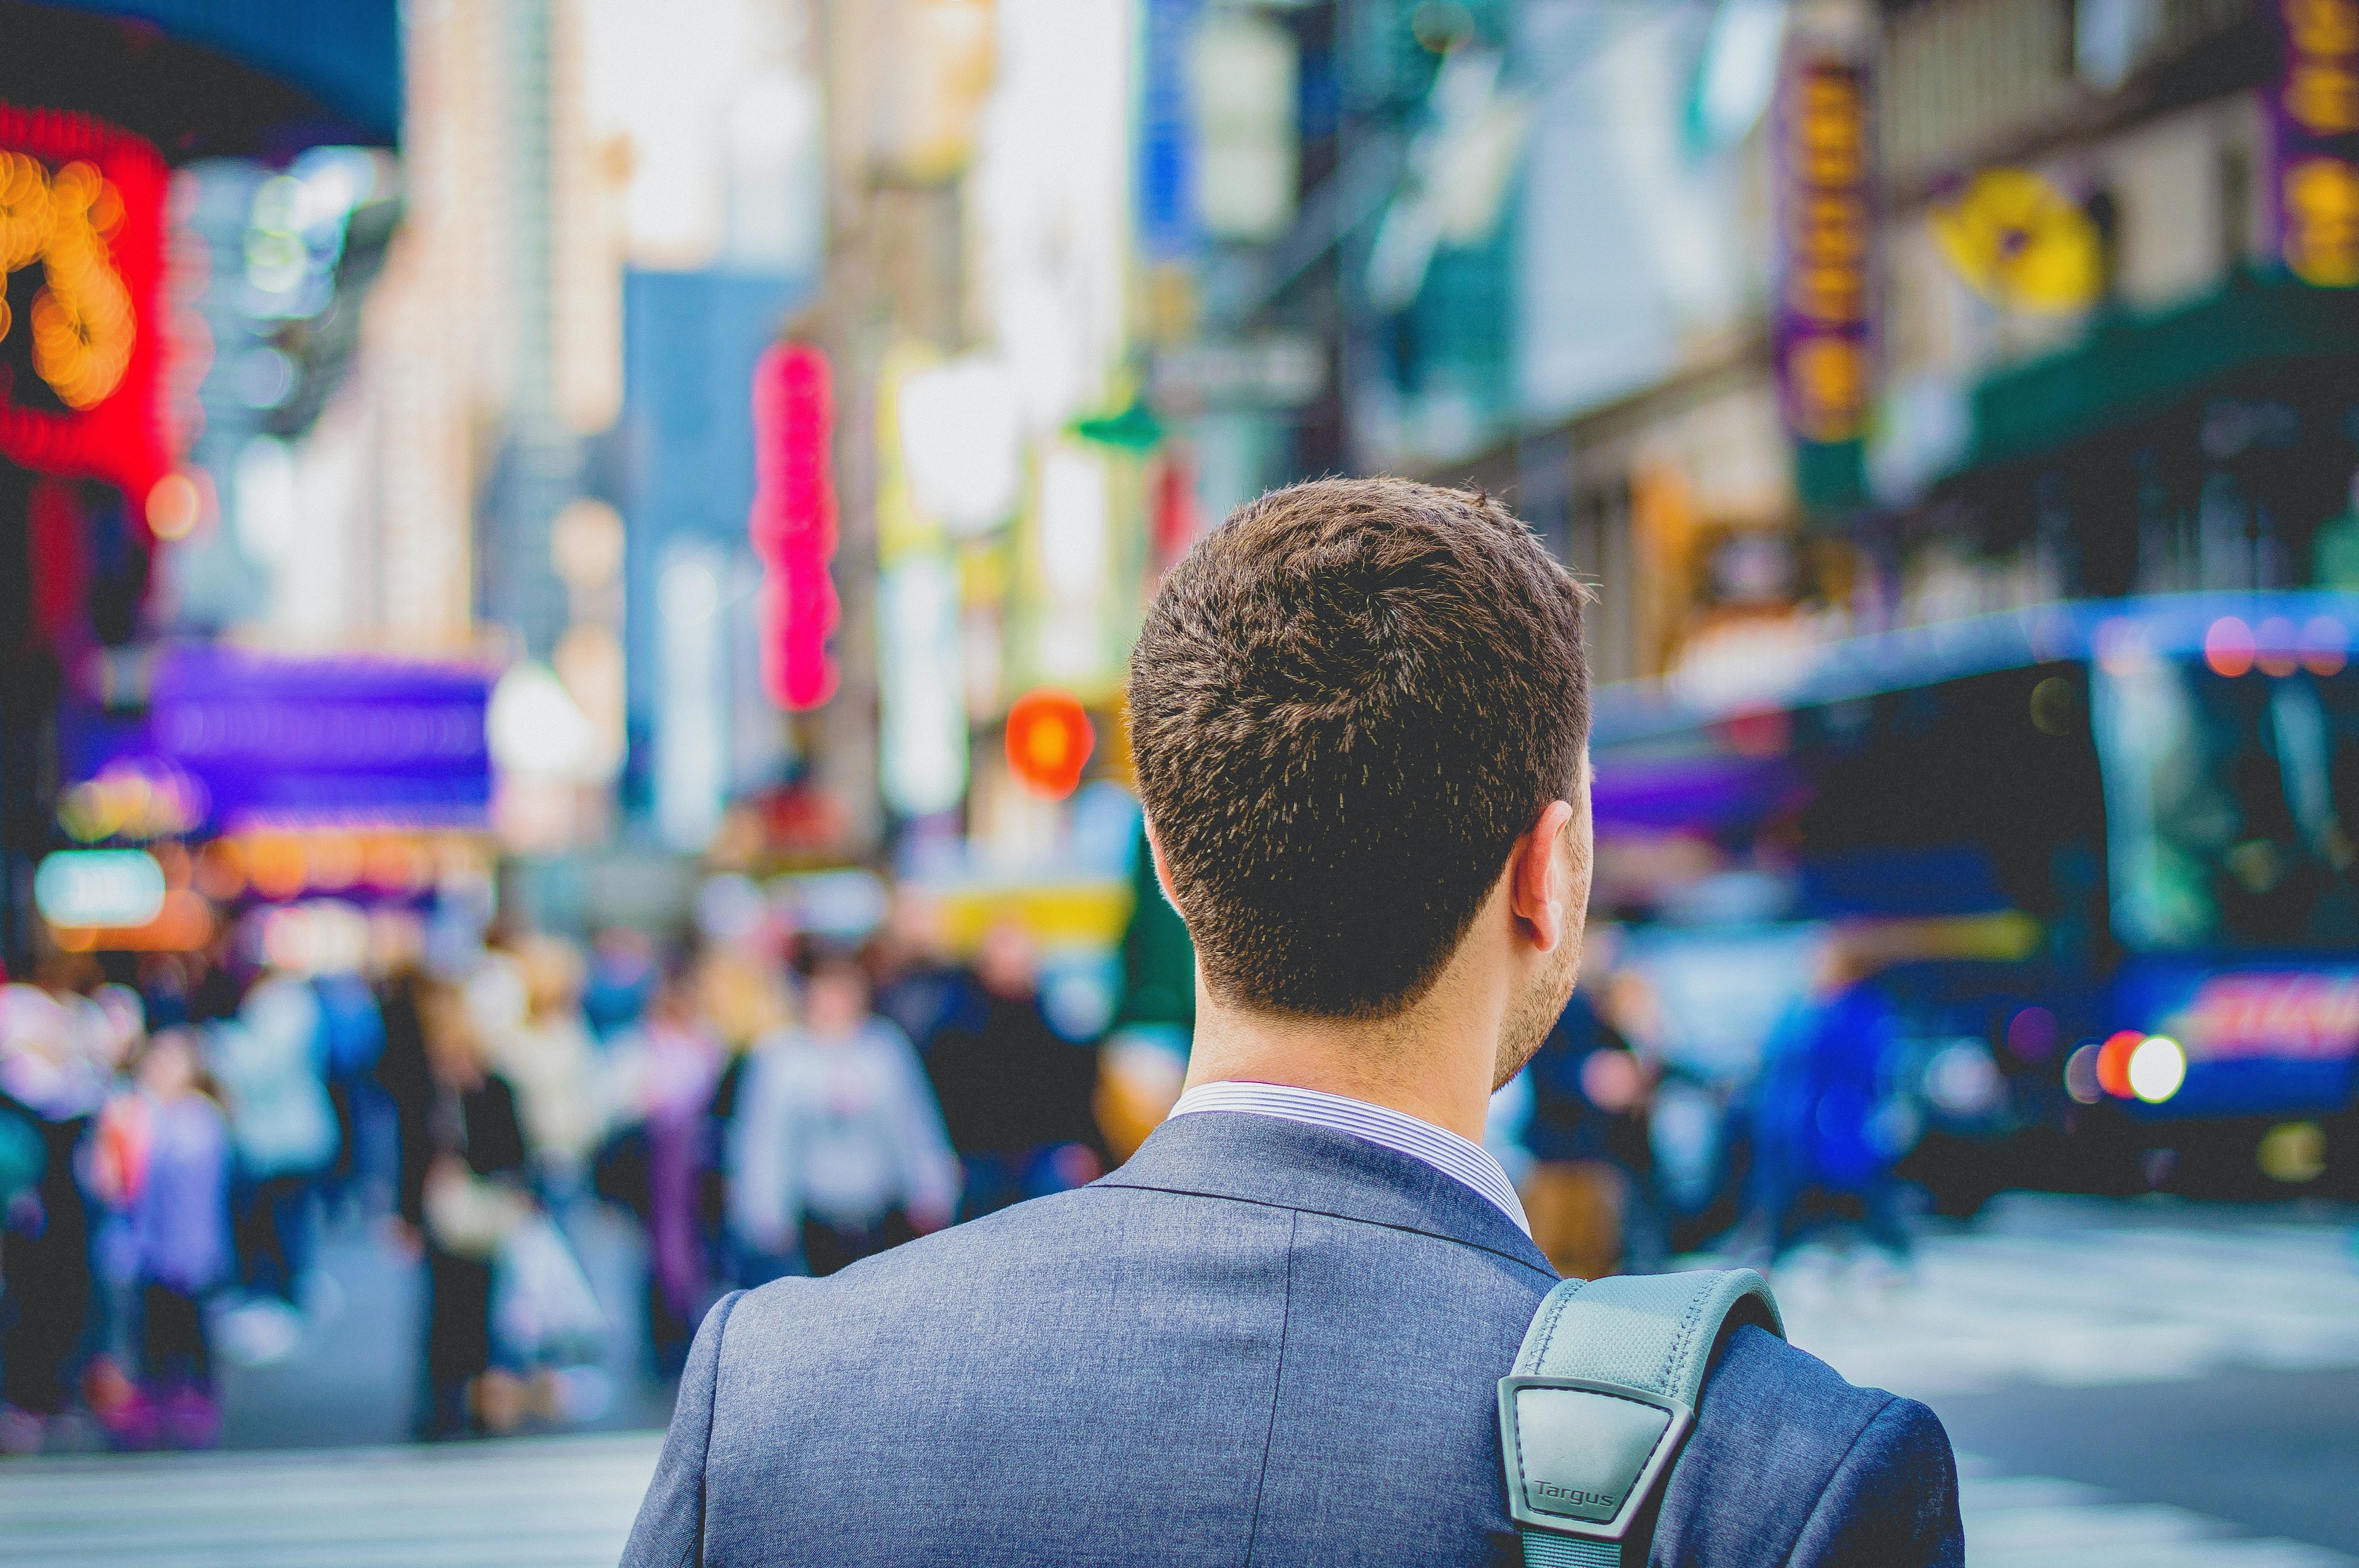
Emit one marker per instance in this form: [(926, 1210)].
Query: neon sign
[(2314, 113), (792, 524), (1823, 224), (2302, 1015), (82, 250)]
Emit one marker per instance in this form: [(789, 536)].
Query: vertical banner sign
[(2314, 126), (82, 207), (1167, 223), (792, 524), (1823, 332)]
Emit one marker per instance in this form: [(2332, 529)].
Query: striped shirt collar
[(1463, 1161)]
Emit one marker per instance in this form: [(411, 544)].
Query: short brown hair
[(1347, 703)]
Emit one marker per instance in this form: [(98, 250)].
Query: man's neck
[(1430, 1062)]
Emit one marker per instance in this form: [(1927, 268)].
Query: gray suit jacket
[(1257, 1342)]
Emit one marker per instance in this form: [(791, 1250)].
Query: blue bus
[(2107, 856)]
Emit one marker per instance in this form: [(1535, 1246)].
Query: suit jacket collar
[(1289, 1164)]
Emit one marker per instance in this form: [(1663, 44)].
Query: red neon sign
[(82, 353), (793, 522)]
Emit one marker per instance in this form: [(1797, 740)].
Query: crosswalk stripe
[(2053, 1290), (2041, 1521), (526, 1503)]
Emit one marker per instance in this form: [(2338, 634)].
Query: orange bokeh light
[(2229, 647), (1049, 740), (2114, 1062)]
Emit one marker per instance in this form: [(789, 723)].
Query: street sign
[(1281, 370)]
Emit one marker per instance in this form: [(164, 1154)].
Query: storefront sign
[(2314, 113), (1823, 327), (80, 349)]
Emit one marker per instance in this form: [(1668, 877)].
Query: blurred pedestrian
[(270, 1062), (111, 1024), (529, 1014), (837, 1148), (162, 1158), (463, 1191), (353, 1038), (51, 1090), (671, 1064), (1586, 1191), (622, 977), (1015, 1094), (915, 983), (1826, 1114)]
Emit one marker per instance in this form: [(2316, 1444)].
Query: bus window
[(2232, 801), (1960, 797)]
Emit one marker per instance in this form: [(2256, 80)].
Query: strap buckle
[(1598, 1452)]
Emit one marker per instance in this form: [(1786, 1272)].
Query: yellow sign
[(2022, 243)]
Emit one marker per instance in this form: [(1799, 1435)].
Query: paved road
[(2129, 1386), (354, 1379), (549, 1502), (2271, 1454), (2079, 1293), (2155, 1384)]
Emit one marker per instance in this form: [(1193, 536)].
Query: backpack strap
[(1603, 1393)]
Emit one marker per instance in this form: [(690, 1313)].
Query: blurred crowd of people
[(176, 1131)]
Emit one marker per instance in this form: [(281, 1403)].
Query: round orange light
[(2229, 647), (173, 506), (275, 865), (220, 871), (1049, 740), (2114, 1062)]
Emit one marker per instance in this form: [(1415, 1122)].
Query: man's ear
[(1540, 892), (1162, 870)]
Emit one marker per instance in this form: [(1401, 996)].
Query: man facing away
[(1360, 714)]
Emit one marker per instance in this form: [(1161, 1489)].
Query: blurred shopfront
[(102, 351)]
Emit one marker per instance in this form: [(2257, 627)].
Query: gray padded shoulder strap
[(1603, 1393)]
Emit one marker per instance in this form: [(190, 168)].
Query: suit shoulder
[(950, 1261), (1893, 1500), (1814, 1455), (1760, 1372)]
